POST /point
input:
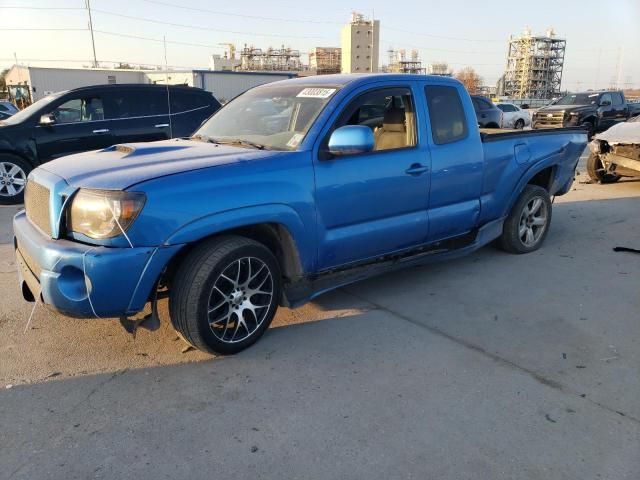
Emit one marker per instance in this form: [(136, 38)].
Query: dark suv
[(91, 118), (488, 115)]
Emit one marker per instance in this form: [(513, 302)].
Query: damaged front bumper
[(82, 280)]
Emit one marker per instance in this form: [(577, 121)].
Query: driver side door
[(373, 203), (79, 126)]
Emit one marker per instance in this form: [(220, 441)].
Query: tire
[(519, 125), (590, 128), (13, 178), (519, 225), (596, 170), (212, 289)]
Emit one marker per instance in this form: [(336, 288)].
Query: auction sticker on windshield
[(316, 93)]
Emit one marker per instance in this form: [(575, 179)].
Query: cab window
[(448, 123), (390, 115), (605, 98), (85, 109), (617, 99)]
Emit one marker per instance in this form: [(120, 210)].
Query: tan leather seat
[(393, 133)]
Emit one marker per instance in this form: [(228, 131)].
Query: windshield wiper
[(203, 138), (241, 142), (233, 141)]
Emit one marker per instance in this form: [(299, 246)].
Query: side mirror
[(605, 103), (351, 139), (47, 119)]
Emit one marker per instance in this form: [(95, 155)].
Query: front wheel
[(597, 172), (528, 222), (225, 294), (13, 179)]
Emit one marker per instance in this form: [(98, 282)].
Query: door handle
[(101, 130), (416, 169), (162, 125)]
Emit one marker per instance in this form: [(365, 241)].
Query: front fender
[(273, 213)]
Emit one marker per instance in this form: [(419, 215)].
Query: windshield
[(274, 117), (579, 99), (31, 109)]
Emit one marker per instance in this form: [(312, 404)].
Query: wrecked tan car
[(615, 153)]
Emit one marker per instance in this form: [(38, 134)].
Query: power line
[(115, 62), (392, 43), (442, 36), (158, 40), (40, 8), (44, 29), (195, 27), (256, 17)]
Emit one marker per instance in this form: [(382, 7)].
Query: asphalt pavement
[(492, 366)]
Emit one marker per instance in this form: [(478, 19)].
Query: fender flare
[(302, 236), (525, 179)]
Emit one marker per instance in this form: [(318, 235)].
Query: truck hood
[(622, 133), (121, 166)]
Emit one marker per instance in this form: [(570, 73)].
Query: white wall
[(175, 78), (46, 80), (226, 86)]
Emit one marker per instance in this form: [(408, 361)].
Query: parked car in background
[(595, 111), (489, 116), (615, 153), (7, 109), (513, 116), (241, 218), (91, 118), (634, 109)]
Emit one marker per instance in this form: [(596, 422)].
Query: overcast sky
[(602, 37)]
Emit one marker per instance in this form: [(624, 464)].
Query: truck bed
[(491, 134)]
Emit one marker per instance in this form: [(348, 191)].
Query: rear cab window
[(446, 114)]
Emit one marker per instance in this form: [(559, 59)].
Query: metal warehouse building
[(38, 82)]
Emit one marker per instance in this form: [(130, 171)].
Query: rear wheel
[(225, 294), (597, 172), (527, 225), (519, 124), (13, 179)]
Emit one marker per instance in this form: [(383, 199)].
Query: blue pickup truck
[(292, 189)]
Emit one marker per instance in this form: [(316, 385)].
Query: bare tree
[(470, 79)]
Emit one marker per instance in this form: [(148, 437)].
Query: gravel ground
[(492, 366)]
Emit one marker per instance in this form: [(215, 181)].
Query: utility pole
[(93, 42)]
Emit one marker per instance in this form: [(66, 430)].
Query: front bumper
[(83, 280)]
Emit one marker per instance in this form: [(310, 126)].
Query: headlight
[(104, 213)]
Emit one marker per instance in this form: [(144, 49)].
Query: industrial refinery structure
[(534, 66), (400, 62), (325, 60), (283, 59)]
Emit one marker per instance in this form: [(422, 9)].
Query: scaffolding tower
[(325, 60), (534, 65), (400, 63)]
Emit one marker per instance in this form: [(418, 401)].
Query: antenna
[(166, 82)]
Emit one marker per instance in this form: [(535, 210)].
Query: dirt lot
[(493, 366)]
